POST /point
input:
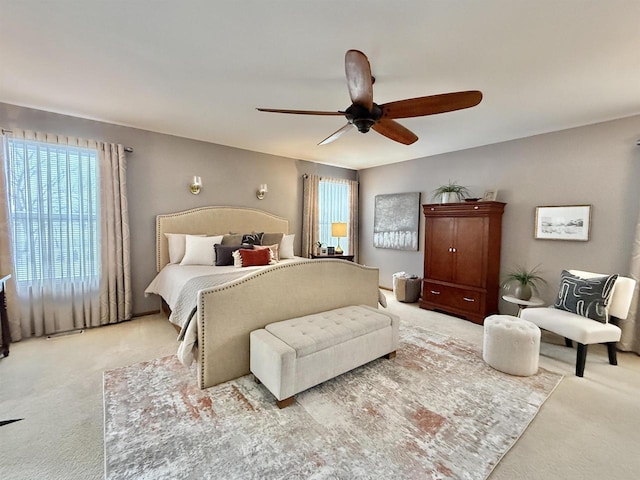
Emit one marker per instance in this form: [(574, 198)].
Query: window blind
[(54, 210), (333, 206)]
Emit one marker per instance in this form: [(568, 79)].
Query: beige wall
[(159, 172), (597, 164)]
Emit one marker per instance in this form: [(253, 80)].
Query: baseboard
[(144, 314)]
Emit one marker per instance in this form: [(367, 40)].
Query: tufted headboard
[(213, 221)]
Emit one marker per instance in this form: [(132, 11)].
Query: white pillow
[(176, 246), (286, 246), (199, 250)]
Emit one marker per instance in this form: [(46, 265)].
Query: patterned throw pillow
[(252, 238), (588, 297)]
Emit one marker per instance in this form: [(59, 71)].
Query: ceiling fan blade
[(359, 82), (418, 107), (299, 112), (337, 134), (393, 130)]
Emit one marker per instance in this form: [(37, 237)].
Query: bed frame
[(228, 313), (213, 221)]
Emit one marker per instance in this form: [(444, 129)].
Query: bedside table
[(338, 257), (522, 304)]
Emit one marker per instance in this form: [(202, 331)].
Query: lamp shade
[(338, 230)]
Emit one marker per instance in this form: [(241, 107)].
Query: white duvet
[(171, 282)]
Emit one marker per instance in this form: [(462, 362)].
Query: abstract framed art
[(396, 221), (564, 222)]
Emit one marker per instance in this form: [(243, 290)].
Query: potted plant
[(450, 193), (526, 282)]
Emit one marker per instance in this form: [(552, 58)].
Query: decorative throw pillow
[(286, 246), (251, 258), (237, 259), (272, 238), (224, 253), (199, 250), (588, 297), (273, 249), (176, 243), (232, 239), (252, 238)]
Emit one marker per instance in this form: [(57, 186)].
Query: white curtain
[(310, 221), (6, 264), (68, 225), (630, 341), (354, 227)]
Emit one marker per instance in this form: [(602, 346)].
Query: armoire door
[(469, 248), (439, 248)]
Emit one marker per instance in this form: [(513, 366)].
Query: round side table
[(522, 304)]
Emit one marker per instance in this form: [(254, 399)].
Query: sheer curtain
[(69, 234)]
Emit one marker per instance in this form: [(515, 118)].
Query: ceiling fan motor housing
[(362, 118)]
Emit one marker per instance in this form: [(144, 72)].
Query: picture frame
[(563, 222), (490, 196), (396, 221)]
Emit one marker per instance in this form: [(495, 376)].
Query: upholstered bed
[(210, 222), (243, 299)]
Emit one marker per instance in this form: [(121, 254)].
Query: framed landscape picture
[(567, 222)]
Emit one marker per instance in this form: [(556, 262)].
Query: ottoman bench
[(294, 355), (511, 345)]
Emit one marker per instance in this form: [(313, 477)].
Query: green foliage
[(452, 187), (525, 277)]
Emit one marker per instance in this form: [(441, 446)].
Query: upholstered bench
[(294, 355), (511, 345)]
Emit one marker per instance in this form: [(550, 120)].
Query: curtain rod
[(126, 149)]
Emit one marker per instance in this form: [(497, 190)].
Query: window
[(53, 208), (333, 206)]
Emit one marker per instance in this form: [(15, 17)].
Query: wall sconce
[(262, 191), (196, 185)]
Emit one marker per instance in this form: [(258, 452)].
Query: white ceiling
[(198, 69)]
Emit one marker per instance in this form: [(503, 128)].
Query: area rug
[(436, 411)]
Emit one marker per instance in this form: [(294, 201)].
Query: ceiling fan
[(366, 115)]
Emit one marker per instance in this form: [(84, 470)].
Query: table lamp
[(338, 230)]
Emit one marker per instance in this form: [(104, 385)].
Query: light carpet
[(436, 411)]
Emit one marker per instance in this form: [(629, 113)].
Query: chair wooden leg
[(390, 355), (581, 358), (611, 348), (568, 342)]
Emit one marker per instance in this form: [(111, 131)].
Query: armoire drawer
[(468, 300)]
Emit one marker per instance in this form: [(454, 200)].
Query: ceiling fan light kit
[(367, 115)]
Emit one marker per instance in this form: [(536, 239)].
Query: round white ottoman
[(511, 345)]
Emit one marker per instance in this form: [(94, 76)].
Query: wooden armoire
[(462, 258)]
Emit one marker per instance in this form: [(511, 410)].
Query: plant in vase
[(450, 193), (525, 282)]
